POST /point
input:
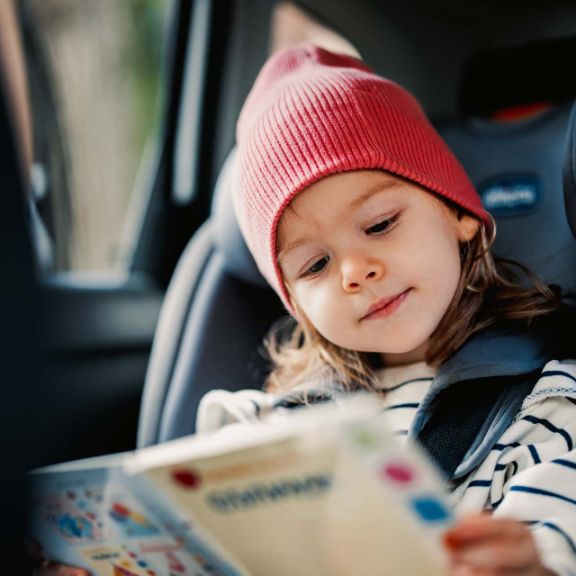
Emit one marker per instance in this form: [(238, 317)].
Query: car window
[(94, 72), (292, 25)]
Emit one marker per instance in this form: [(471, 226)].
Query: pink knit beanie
[(312, 113)]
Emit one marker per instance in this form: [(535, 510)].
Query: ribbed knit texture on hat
[(312, 113)]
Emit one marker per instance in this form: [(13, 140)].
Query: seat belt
[(463, 411)]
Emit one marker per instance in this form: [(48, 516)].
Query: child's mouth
[(385, 306)]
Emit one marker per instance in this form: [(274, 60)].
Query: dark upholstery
[(569, 174), (216, 312), (539, 237), (218, 308)]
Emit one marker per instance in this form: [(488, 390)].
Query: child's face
[(352, 241)]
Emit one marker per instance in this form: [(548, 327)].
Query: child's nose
[(357, 272)]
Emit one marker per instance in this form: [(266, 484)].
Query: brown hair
[(490, 289)]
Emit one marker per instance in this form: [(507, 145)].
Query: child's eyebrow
[(358, 201), (374, 189), (291, 245)]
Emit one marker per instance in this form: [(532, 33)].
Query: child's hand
[(485, 546)]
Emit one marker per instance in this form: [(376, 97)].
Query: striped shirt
[(404, 388), (530, 474)]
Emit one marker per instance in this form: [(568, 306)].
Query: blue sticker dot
[(142, 563), (430, 509)]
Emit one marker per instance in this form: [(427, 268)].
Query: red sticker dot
[(399, 473), (187, 479), (120, 509)]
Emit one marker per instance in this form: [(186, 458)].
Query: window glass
[(292, 25), (94, 83)]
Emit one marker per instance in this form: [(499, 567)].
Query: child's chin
[(399, 354)]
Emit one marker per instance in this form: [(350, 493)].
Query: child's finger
[(462, 570), (483, 542), (483, 527), (505, 555)]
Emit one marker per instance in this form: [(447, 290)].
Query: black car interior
[(20, 418)]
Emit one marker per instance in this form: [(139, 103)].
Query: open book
[(328, 491)]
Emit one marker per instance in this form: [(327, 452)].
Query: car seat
[(217, 310), (218, 307), (517, 170)]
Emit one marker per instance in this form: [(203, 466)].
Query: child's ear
[(467, 226)]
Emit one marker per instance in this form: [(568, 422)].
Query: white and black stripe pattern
[(531, 472), (403, 388)]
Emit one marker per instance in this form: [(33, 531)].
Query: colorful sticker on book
[(152, 559), (116, 561), (77, 520), (430, 509), (132, 522), (397, 472), (170, 557), (205, 560), (365, 438), (186, 478)]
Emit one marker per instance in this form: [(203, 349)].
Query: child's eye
[(381, 227), (317, 267)]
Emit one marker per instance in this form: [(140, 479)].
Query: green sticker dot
[(366, 438)]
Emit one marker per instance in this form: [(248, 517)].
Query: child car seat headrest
[(517, 169), (569, 175), (227, 235)]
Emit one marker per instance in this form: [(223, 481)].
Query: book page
[(86, 514)]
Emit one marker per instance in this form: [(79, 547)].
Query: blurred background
[(94, 74)]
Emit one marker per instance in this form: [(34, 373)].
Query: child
[(371, 233)]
